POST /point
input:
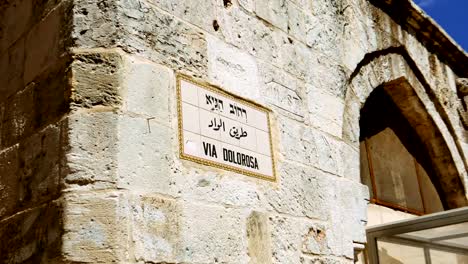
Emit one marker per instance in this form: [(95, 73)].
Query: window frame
[(375, 199)]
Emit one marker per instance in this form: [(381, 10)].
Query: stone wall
[(34, 95), (106, 184)]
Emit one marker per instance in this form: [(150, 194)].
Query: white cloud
[(425, 3)]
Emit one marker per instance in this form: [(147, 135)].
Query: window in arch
[(394, 164)]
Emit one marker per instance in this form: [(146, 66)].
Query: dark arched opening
[(394, 163)]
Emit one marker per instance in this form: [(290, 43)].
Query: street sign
[(222, 130)]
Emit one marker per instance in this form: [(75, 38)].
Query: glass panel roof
[(440, 232), (443, 237)]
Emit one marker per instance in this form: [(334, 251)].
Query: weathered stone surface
[(258, 235), (101, 122), (40, 103), (274, 12), (297, 142), (201, 183), (156, 229), (9, 182), (302, 192), (15, 21), (96, 227), (251, 35), (149, 145), (47, 41), (282, 90), (232, 69), (167, 40), (90, 152), (462, 86), (147, 88), (33, 236), (96, 79), (190, 11), (202, 224), (39, 167), (315, 241), (286, 239), (20, 120), (11, 70), (325, 110)]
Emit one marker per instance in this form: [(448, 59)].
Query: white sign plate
[(222, 130)]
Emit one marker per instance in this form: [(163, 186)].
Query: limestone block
[(273, 11), (217, 186), (398, 65), (351, 115), (32, 236), (96, 79), (11, 70), (94, 25), (300, 22), (285, 239), (190, 11), (51, 95), (296, 59), (282, 90), (156, 229), (20, 119), (15, 20), (315, 241), (326, 33), (143, 155), (41, 103), (347, 216), (211, 234), (147, 89), (91, 149), (451, 79), (364, 83), (95, 227), (325, 110), (45, 43), (327, 75), (259, 241), (297, 142), (355, 42), (9, 182), (329, 153), (163, 38), (232, 69), (251, 35), (38, 174), (382, 67), (351, 162), (301, 192), (423, 59), (353, 203), (292, 237)]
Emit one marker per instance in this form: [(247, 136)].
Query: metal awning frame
[(394, 232)]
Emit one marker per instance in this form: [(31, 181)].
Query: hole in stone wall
[(290, 40), (227, 3), (215, 25)]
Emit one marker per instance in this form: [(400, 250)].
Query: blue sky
[(452, 15)]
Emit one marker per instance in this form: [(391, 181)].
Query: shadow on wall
[(34, 98)]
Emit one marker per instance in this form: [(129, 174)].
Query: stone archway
[(394, 70)]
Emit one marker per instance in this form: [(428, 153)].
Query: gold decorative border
[(220, 91)]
